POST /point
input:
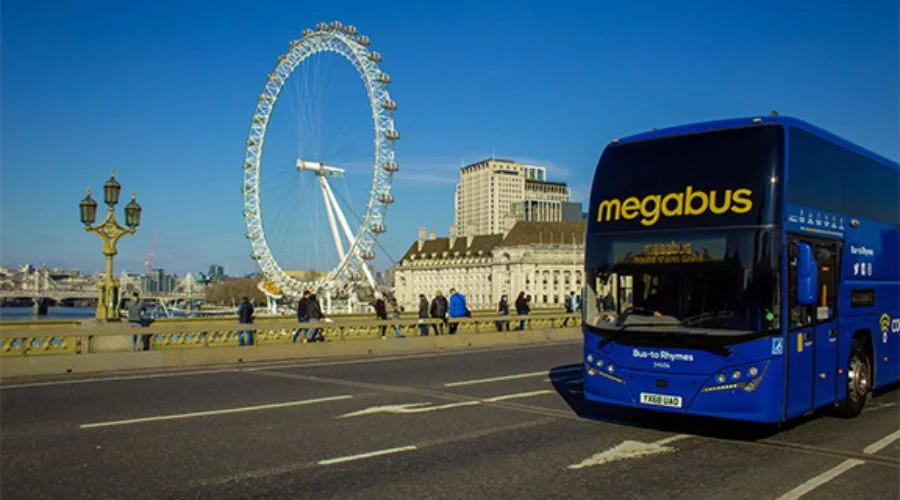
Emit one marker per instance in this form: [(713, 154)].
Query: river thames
[(53, 314)]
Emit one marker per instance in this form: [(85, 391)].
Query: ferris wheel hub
[(320, 169)]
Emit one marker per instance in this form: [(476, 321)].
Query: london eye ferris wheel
[(295, 207)]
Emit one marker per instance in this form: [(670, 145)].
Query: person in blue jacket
[(458, 308)]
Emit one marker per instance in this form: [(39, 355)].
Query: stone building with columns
[(542, 259)]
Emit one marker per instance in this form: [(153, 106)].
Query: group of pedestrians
[(309, 311), (522, 305), (440, 308)]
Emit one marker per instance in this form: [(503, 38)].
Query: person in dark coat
[(522, 309), (503, 310), (438, 310), (314, 311), (381, 313), (423, 314), (245, 317), (302, 315)]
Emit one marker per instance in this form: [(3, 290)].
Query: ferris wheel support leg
[(330, 211), (340, 213), (347, 232)]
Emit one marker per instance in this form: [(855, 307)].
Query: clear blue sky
[(163, 91)]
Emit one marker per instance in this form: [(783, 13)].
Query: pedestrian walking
[(381, 313), (570, 307), (503, 310), (522, 309), (245, 317), (423, 314), (438, 310), (394, 310), (137, 317), (458, 309), (302, 316), (314, 310)]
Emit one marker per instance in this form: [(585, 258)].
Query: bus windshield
[(714, 282)]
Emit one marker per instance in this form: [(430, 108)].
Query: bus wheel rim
[(858, 380)]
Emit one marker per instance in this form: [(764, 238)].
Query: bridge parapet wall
[(66, 347)]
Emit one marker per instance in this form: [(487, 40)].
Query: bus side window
[(826, 309)]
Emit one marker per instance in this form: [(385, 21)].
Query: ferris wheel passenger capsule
[(322, 26), (364, 40), (391, 135), (386, 198), (367, 255), (383, 78), (389, 105), (350, 29), (391, 166), (378, 228), (375, 56), (337, 25), (307, 32)]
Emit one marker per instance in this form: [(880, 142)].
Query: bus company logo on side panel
[(691, 203), (888, 324)]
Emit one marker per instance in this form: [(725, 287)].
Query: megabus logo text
[(692, 203)]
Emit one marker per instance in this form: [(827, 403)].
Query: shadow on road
[(568, 382)]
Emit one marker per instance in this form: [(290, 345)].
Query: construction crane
[(149, 261)]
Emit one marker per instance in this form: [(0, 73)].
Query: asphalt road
[(497, 423)]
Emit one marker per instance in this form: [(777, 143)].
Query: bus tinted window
[(827, 176)]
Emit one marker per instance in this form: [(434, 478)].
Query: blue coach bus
[(744, 269)]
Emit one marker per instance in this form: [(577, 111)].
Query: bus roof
[(785, 121)]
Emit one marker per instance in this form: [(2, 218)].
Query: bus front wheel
[(859, 380)]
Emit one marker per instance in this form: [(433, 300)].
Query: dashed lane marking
[(409, 408), (196, 414), (271, 365), (496, 379), (839, 469), (556, 375), (370, 454)]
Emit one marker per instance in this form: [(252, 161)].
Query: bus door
[(826, 322), (812, 329)]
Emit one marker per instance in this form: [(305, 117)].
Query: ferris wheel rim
[(347, 42)]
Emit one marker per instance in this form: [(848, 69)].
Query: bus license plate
[(660, 400)]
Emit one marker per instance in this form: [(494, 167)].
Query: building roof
[(523, 233)]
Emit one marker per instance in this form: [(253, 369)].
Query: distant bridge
[(41, 284)]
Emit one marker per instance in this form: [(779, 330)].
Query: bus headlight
[(736, 375), (721, 378), (590, 358), (753, 371), (599, 363)]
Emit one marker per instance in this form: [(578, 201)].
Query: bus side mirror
[(807, 280)]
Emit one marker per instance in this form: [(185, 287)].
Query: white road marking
[(881, 443), (517, 396), (370, 454), (214, 412), (839, 469), (277, 365), (496, 379), (409, 408), (630, 449), (118, 378), (821, 479), (876, 407)]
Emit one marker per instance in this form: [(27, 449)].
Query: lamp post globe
[(88, 209), (111, 190), (133, 213)]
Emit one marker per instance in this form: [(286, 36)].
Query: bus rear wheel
[(859, 380)]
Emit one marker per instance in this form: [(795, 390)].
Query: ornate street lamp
[(109, 231)]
